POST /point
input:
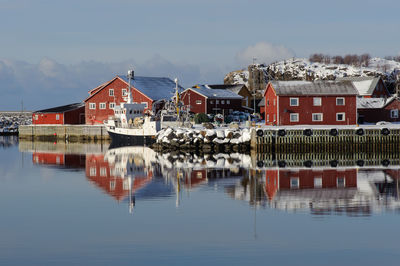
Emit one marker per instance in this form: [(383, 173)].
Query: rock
[(208, 125)]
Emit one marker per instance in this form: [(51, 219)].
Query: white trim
[(394, 113), (294, 98), (314, 120), (109, 105), (337, 181), (102, 106), (57, 116), (298, 183), (344, 101), (92, 106), (319, 183), (290, 117), (124, 92), (344, 117), (109, 92), (320, 101)]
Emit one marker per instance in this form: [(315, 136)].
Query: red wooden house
[(310, 103), (202, 99), (61, 115), (372, 110), (368, 87), (148, 90), (306, 179)]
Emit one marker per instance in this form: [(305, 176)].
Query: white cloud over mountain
[(264, 52)]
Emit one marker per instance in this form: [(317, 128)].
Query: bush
[(201, 118)]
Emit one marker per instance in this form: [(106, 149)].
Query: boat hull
[(119, 139)]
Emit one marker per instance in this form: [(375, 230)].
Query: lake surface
[(74, 204)]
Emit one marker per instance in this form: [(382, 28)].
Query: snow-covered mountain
[(302, 69)]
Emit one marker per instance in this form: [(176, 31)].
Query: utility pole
[(254, 84)]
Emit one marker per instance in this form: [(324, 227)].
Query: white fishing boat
[(130, 125)]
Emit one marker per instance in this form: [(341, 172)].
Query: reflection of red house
[(286, 179), (101, 174), (67, 160), (196, 177)]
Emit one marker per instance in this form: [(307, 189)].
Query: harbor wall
[(71, 133)]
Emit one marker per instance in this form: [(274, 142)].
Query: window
[(317, 182), (294, 101), (228, 101), (317, 101), (57, 117), (394, 113), (274, 117), (340, 182), (112, 185), (340, 117), (317, 117), (294, 117), (267, 102), (102, 105), (211, 102), (111, 105), (274, 102), (111, 92), (217, 101), (103, 171), (267, 118), (222, 102), (92, 171), (340, 101), (294, 182), (199, 175), (198, 101), (92, 105), (145, 104), (124, 93), (36, 117)]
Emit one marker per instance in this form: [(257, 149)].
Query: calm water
[(87, 205)]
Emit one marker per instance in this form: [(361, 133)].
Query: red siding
[(194, 96), (376, 115), (47, 118), (271, 106)]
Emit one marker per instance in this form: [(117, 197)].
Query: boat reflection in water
[(131, 174)]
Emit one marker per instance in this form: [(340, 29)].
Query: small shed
[(61, 115), (368, 87), (372, 110)]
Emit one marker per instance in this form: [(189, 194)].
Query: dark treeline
[(350, 59)]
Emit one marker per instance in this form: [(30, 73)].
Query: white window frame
[(92, 106), (222, 101), (316, 120), (92, 171), (344, 117), (124, 92), (340, 98), (112, 185), (318, 182), (394, 113), (111, 92), (274, 117), (317, 101), (267, 118), (344, 181), (274, 102), (103, 171), (57, 117), (294, 120), (111, 105), (102, 105), (292, 186), (295, 99), (198, 101), (36, 117)]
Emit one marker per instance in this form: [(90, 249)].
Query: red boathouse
[(62, 115)]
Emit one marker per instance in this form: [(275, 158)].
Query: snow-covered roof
[(314, 87), (215, 93), (364, 85), (156, 88), (373, 103), (233, 88)]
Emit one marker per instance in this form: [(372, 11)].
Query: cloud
[(49, 83), (264, 53)]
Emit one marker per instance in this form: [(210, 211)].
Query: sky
[(52, 52)]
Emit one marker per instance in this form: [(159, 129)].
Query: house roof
[(156, 88), (62, 109), (233, 87), (373, 103), (364, 85), (262, 102), (215, 93), (299, 88)]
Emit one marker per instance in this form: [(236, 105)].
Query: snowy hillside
[(303, 69)]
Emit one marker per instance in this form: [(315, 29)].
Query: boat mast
[(130, 76), (177, 97)]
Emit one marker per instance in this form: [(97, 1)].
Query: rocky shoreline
[(216, 140), (10, 122)]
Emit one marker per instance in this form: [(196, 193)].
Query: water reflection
[(8, 141), (132, 174)]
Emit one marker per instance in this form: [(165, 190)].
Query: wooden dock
[(345, 139)]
